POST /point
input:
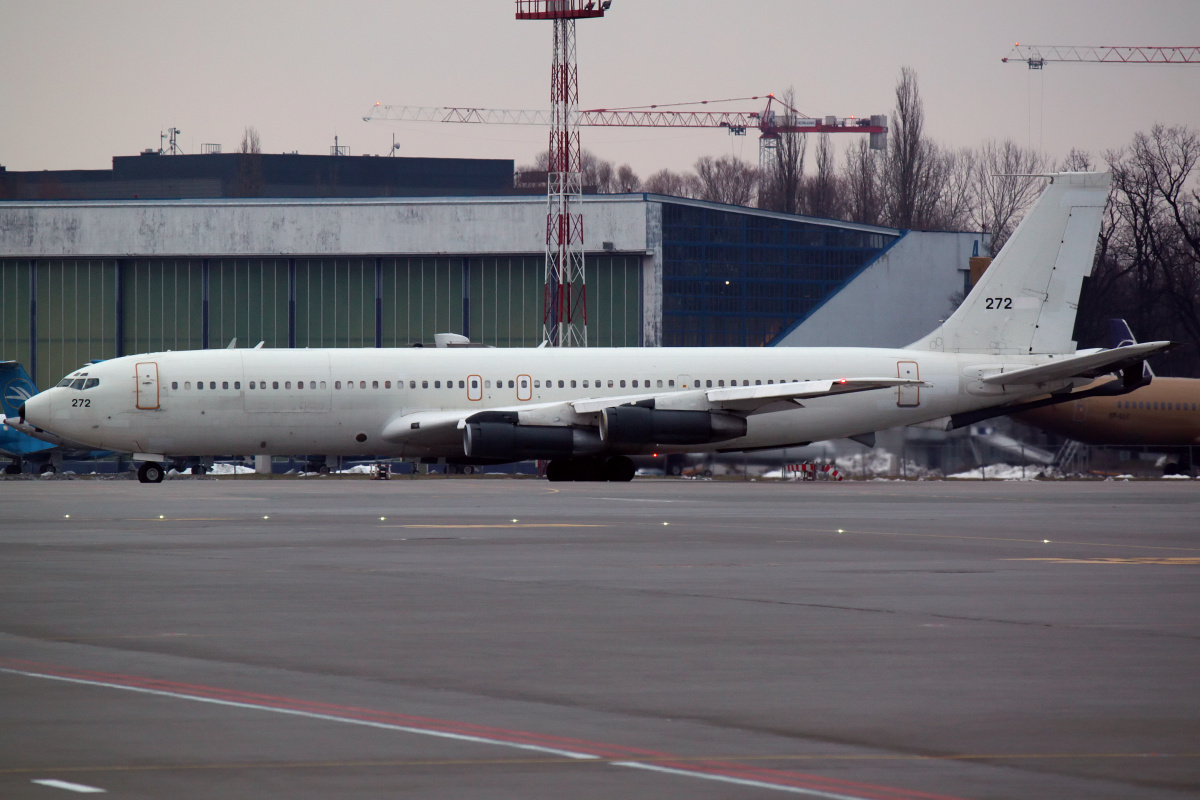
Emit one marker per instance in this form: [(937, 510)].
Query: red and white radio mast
[(564, 309)]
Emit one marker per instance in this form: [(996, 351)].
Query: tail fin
[(17, 385), (1119, 335), (1026, 300)]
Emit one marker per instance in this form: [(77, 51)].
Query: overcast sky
[(87, 80)]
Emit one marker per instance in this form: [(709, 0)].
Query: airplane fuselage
[(1165, 413), (357, 402)]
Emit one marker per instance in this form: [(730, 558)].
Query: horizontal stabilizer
[(1092, 365)]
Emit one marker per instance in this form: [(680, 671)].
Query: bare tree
[(1006, 186), (249, 180), (822, 194), (676, 184), (863, 183), (627, 179), (726, 180), (779, 186)]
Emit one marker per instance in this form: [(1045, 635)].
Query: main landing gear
[(616, 468), (150, 472)]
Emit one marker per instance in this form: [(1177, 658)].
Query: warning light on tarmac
[(381, 519), (66, 516), (265, 516), (840, 530), (1045, 541), (514, 520), (666, 523), (160, 516)]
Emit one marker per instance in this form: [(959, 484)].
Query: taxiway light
[(66, 516), (514, 520), (840, 530), (265, 516), (1045, 541), (381, 519), (666, 523), (160, 516)]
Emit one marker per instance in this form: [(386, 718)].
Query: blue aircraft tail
[(17, 388), (1119, 335)]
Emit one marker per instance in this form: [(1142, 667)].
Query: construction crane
[(1037, 55), (771, 123)]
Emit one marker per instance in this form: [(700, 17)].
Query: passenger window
[(274, 384), (524, 383), (474, 383), (237, 384), (671, 383), (424, 384), (362, 384), (199, 384), (462, 385), (510, 384), (187, 384), (287, 384), (610, 383), (224, 384), (336, 385), (374, 384), (634, 384), (212, 384), (573, 384), (707, 384), (174, 384), (322, 384), (561, 384), (659, 385), (412, 384), (720, 383), (437, 384), (622, 384), (487, 384), (387, 384), (537, 384)]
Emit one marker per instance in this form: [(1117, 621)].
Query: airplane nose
[(36, 410)]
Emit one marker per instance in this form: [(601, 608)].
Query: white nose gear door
[(147, 385)]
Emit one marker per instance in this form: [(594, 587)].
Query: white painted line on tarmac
[(573, 754), (70, 787)]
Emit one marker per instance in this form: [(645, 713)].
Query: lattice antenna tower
[(564, 304)]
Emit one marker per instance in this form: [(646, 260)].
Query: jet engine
[(508, 442), (639, 425)]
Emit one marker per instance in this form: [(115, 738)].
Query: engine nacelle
[(508, 442), (645, 426)]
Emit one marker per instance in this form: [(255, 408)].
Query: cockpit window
[(77, 383), (63, 382), (90, 382)]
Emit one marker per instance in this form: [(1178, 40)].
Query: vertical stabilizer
[(1026, 301)]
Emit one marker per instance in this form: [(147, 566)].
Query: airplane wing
[(1091, 365), (427, 428)]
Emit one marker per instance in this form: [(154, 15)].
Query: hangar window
[(274, 384), (174, 384)]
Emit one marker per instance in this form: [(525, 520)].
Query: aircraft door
[(684, 382), (474, 387), (524, 387), (147, 385), (908, 396)]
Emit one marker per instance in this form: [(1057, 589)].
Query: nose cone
[(36, 410)]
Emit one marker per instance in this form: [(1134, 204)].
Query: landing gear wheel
[(12, 469), (619, 469), (199, 469), (323, 469), (47, 469), (150, 472)]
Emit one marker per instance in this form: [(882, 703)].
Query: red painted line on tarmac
[(618, 755)]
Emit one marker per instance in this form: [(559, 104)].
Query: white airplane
[(587, 410)]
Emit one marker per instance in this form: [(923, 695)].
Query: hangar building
[(95, 279)]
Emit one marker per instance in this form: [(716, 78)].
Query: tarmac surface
[(508, 638)]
